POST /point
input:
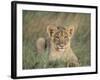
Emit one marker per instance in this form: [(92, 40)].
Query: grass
[(34, 26)]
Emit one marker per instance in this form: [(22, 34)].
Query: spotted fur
[(60, 39)]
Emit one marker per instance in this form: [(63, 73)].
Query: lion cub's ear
[(51, 30), (70, 31)]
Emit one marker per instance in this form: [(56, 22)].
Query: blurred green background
[(34, 26)]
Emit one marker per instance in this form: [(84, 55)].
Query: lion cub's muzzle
[(61, 47)]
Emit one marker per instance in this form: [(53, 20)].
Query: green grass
[(34, 26)]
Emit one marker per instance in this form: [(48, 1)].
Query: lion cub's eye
[(57, 37), (65, 37)]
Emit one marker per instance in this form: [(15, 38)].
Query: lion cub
[(60, 41)]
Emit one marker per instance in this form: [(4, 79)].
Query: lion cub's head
[(60, 37)]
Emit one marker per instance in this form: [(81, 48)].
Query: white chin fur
[(62, 50)]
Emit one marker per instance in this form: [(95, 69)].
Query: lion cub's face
[(60, 37)]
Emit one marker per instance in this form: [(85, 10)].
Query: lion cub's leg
[(40, 45), (73, 63), (72, 60)]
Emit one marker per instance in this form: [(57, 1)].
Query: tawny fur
[(67, 55), (40, 45)]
